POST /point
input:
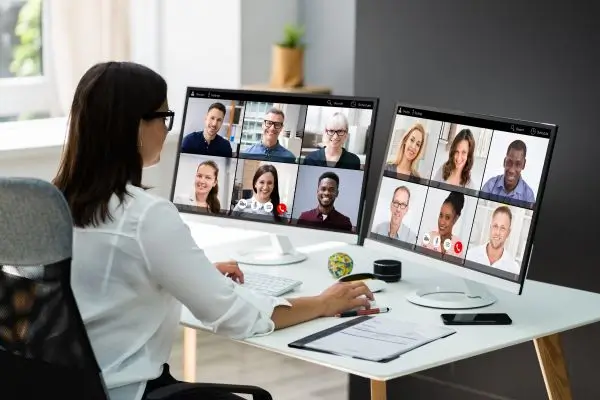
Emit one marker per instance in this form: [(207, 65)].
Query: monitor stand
[(472, 295), (280, 252)]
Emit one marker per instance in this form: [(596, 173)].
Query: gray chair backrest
[(35, 223), (44, 348)]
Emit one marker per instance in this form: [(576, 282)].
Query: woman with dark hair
[(265, 201), (443, 239), (457, 169), (206, 189), (134, 259)]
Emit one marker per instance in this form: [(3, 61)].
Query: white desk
[(536, 316)]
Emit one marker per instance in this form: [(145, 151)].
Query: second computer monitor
[(465, 191), (279, 158)]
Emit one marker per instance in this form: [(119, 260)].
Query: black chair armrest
[(188, 388)]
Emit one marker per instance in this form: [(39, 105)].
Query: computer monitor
[(462, 193), (271, 161)]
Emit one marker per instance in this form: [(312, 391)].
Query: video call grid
[(289, 213), (475, 197)]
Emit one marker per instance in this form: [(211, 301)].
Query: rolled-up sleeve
[(179, 266)]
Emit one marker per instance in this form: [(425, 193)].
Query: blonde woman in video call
[(457, 169), (333, 154), (409, 152), (206, 188)]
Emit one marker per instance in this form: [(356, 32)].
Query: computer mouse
[(374, 285), (372, 304)]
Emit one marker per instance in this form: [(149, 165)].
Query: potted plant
[(287, 68)]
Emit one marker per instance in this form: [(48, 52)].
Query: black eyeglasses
[(275, 124), (339, 132), (397, 204), (167, 116)]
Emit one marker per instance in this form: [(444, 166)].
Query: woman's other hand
[(230, 269)]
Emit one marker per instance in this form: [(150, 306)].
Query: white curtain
[(83, 33)]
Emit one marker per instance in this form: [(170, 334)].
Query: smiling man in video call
[(208, 142), (493, 253), (511, 184), (269, 147), (394, 228), (325, 215)]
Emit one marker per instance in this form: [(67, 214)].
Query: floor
[(283, 377)]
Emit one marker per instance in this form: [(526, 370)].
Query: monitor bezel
[(515, 286), (361, 221)]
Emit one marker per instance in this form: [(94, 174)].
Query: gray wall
[(330, 33), (532, 60), (261, 26)]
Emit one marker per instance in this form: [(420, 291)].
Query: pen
[(363, 312)]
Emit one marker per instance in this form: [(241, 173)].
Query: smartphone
[(477, 319)]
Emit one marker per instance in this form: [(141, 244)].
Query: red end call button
[(281, 208), (458, 247)]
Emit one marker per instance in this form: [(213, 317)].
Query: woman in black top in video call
[(449, 214), (264, 203)]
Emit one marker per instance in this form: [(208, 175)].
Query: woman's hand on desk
[(344, 296), (230, 269), (339, 297)]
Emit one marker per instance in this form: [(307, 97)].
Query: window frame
[(35, 94)]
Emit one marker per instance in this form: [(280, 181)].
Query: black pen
[(363, 312)]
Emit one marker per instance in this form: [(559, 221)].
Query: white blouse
[(130, 276)]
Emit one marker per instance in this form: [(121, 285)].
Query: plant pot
[(287, 68)]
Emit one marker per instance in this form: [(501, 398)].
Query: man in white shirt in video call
[(493, 253)]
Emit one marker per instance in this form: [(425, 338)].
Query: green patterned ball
[(340, 264)]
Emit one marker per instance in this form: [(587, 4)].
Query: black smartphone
[(477, 319)]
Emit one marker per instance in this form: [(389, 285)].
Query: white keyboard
[(269, 284)]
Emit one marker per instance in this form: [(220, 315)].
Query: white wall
[(221, 44), (201, 46), (42, 162)]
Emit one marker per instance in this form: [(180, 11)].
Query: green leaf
[(27, 55), (292, 36)]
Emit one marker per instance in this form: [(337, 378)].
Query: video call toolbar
[(333, 101), (291, 160), (521, 127), (463, 189)]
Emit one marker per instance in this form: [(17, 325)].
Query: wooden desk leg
[(378, 390), (552, 362), (189, 354)]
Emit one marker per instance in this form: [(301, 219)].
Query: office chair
[(44, 348)]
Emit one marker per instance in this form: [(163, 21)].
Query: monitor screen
[(465, 189), (275, 157)]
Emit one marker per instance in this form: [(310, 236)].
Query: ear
[(140, 134)]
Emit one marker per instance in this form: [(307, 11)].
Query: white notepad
[(373, 338)]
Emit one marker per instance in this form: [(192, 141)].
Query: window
[(25, 76)]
